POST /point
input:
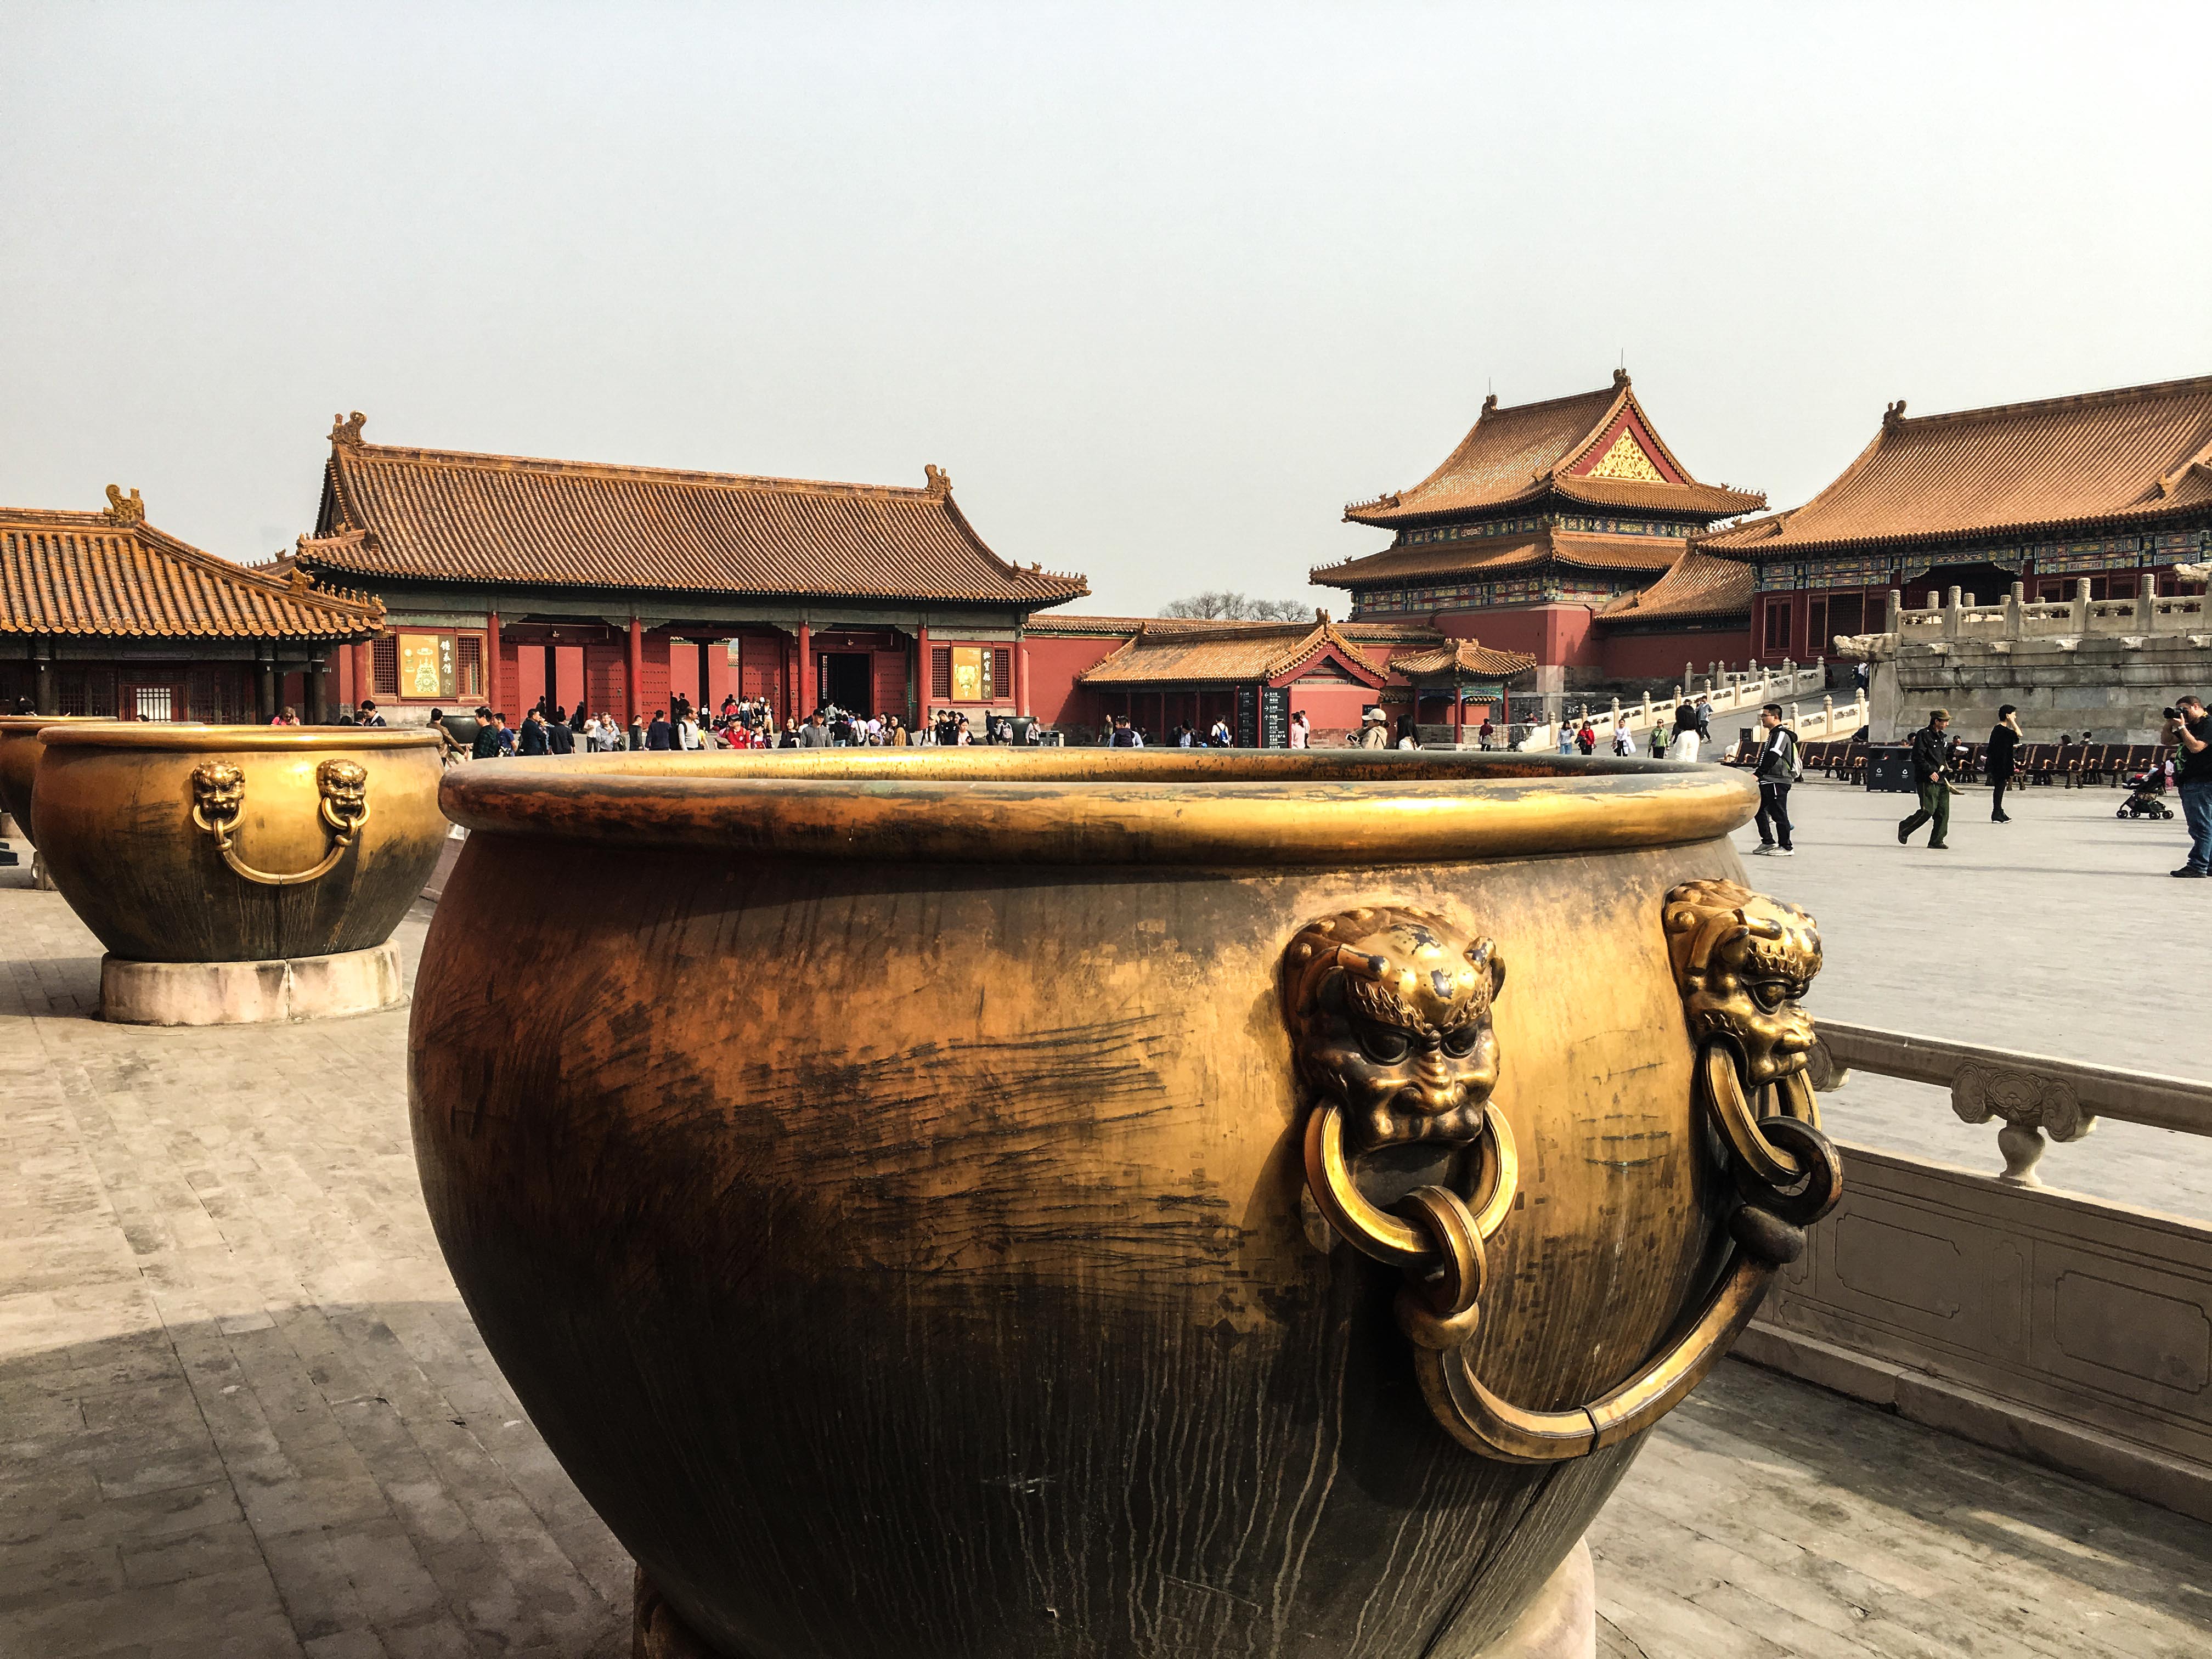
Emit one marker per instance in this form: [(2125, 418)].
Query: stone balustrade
[(2057, 1327), (1963, 616), (1727, 691)]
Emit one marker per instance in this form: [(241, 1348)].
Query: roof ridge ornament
[(1619, 380), (346, 429), (1894, 413), (124, 510), (939, 482)]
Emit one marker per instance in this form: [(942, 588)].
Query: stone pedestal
[(39, 879), (250, 993), (1561, 1623)]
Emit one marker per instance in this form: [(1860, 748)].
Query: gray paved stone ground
[(243, 1413), (2060, 934)]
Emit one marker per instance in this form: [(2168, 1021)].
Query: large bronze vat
[(907, 1190), (238, 843), (21, 747)]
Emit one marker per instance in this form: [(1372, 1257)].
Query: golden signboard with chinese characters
[(971, 674), (426, 665)]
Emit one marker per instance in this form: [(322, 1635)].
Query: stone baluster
[(1951, 618), (1896, 610), (2031, 1103), (2081, 619), (1827, 715), (2015, 622)]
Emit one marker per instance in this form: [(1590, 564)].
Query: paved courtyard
[(243, 1413), (2058, 933)]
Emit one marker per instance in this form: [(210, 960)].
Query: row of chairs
[(1838, 757), (2074, 764)]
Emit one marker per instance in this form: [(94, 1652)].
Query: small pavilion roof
[(1225, 652), (1493, 555), (451, 515), (111, 574), (2139, 452), (1700, 585), (1466, 658), (1594, 448)]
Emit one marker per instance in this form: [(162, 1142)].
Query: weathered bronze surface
[(21, 746), (238, 843), (884, 1178)]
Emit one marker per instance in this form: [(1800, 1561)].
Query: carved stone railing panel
[(2075, 1332)]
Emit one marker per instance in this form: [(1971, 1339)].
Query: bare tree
[(1237, 607)]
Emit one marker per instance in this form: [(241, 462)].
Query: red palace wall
[(1660, 656), (1054, 697), (1555, 634)]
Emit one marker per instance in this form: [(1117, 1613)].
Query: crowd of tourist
[(548, 728)]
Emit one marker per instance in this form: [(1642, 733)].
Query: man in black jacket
[(533, 733), (1776, 770), (660, 734), (560, 735), (1931, 762)]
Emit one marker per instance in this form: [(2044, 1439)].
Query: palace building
[(100, 613), (505, 579), (2106, 488), (1161, 672), (1543, 530)]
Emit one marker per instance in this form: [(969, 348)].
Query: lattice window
[(1001, 681), (87, 691), (940, 672), (383, 666), (469, 665)]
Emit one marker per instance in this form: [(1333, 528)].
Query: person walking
[(2190, 732), (2002, 758), (1374, 730), (533, 734), (660, 734), (1586, 738), (1687, 734), (1300, 731), (1931, 766), (485, 745), (1777, 767)]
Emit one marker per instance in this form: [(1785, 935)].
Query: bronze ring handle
[(219, 797), (1374, 1232), (1449, 1249), (1766, 1235)]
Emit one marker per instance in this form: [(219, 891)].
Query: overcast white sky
[(1161, 289)]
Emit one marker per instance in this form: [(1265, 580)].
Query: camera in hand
[(2173, 714)]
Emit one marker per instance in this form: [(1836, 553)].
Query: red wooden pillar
[(809, 699), (1459, 713), (1021, 675), (634, 671), (491, 667), (922, 692), (364, 672)]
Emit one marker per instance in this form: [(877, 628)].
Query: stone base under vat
[(250, 993), (1561, 1623), (39, 879)]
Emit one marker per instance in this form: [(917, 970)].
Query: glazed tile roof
[(112, 575), (1078, 624), (1482, 556), (1241, 652), (451, 516), (1533, 450), (1468, 657), (2141, 452), (1700, 585)]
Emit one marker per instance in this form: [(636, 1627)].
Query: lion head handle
[(1742, 962), (1389, 1011)]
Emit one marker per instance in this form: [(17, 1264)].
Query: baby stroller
[(2145, 800)]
